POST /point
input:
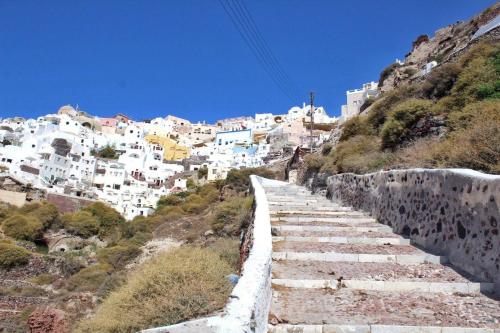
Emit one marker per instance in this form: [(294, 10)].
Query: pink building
[(108, 125), (294, 130)]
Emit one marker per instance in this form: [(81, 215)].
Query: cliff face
[(445, 46)]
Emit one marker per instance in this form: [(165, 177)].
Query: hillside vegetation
[(449, 119), (188, 282)]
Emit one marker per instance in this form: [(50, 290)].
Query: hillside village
[(112, 224), (130, 164)]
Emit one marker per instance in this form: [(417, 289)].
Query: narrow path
[(338, 270)]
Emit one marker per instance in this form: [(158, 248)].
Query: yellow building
[(171, 150)]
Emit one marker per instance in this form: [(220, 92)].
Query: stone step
[(404, 259), (300, 228), (372, 271), (309, 209), (374, 328), (345, 240), (420, 286), (302, 213), (336, 233), (344, 248), (307, 219), (346, 306), (338, 222)]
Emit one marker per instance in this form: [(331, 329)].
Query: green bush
[(81, 223), (47, 214), (401, 119), (23, 227), (480, 69), (12, 255), (108, 218), (440, 81), (169, 200), (356, 126), (172, 287), (119, 255), (385, 102)]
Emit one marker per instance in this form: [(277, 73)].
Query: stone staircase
[(338, 270)]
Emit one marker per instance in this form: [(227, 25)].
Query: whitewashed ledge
[(248, 307)]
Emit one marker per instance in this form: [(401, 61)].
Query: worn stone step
[(346, 306), (372, 271), (314, 214), (356, 248), (374, 328), (420, 286), (405, 259), (337, 222), (300, 228), (308, 209), (344, 240), (343, 232), (346, 217)]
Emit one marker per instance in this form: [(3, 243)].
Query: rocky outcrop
[(451, 212), (48, 320), (445, 46)]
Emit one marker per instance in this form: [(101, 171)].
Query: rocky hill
[(445, 116), (445, 46)]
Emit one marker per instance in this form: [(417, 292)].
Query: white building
[(356, 98)]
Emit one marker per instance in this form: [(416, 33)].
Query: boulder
[(48, 320)]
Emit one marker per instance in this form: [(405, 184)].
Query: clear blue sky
[(151, 58)]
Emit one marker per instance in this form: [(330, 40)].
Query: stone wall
[(451, 212)]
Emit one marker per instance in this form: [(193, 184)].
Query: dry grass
[(173, 287)]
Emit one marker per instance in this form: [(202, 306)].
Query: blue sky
[(151, 58)]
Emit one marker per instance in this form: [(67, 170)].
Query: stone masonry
[(453, 213)]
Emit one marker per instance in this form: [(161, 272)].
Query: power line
[(265, 46), (244, 28), (244, 33)]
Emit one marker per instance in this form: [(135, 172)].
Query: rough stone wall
[(68, 204), (451, 212)]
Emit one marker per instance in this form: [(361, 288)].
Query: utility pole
[(311, 95)]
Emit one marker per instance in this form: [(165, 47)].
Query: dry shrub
[(421, 153), (23, 227), (12, 255), (90, 278), (360, 154), (477, 146), (119, 255), (314, 162), (232, 215), (356, 126), (175, 286), (228, 249), (81, 223)]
